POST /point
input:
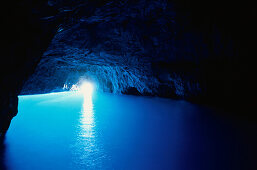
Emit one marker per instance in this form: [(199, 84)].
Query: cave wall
[(195, 50), (25, 35)]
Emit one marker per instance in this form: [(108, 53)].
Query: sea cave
[(128, 84)]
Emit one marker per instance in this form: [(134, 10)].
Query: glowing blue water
[(67, 131)]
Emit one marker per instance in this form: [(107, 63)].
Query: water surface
[(105, 131)]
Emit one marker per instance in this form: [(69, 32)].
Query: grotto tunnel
[(128, 84)]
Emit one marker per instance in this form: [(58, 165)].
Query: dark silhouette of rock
[(25, 36), (2, 154)]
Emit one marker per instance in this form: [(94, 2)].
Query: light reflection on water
[(105, 131), (87, 122), (88, 154)]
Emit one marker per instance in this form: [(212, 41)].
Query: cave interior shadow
[(2, 153)]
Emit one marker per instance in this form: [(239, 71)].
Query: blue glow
[(73, 130)]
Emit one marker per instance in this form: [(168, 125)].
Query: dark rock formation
[(195, 50), (25, 35), (199, 51)]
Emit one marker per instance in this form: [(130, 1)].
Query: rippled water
[(106, 131)]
